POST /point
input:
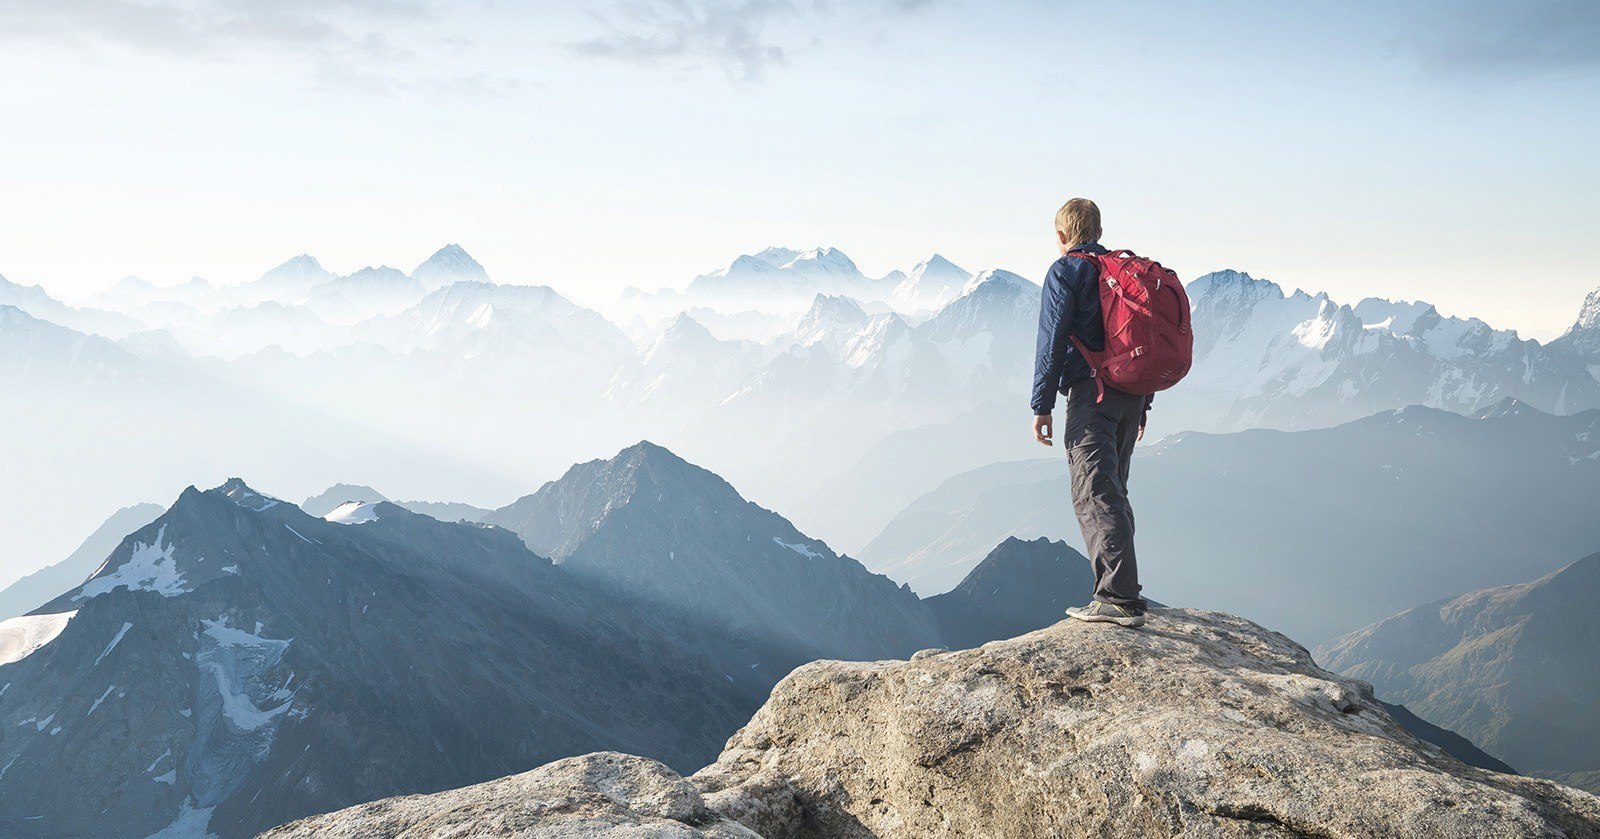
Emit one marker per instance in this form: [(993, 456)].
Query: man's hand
[(1041, 429), (1143, 418)]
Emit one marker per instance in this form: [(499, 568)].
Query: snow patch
[(148, 568), (114, 642), (22, 635), (109, 689), (303, 538), (799, 548), (244, 497), (157, 762), (354, 512)]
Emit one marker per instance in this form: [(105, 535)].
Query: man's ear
[(1061, 236)]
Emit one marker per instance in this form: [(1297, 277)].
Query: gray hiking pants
[(1099, 439)]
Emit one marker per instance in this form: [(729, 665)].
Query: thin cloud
[(746, 39), (208, 26), (345, 43)]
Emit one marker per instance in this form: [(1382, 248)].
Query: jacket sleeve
[(1056, 305)]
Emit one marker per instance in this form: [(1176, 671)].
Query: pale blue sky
[(1440, 151)]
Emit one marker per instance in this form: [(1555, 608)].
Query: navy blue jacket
[(1069, 305)]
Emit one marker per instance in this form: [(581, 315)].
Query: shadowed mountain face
[(241, 663), (1019, 587), (1515, 668), (1314, 532), (652, 525)]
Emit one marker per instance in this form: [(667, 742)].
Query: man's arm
[(1056, 304)]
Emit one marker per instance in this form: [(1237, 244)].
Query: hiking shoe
[(1098, 612)]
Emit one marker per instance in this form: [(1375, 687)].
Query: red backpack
[(1149, 345)]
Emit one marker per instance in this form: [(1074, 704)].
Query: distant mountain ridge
[(1270, 359), (1377, 513)]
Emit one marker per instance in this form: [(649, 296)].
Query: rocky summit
[(1202, 724)]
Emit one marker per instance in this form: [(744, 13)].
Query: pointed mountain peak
[(237, 491), (449, 264), (1229, 284), (834, 307), (1589, 315), (1510, 407), (566, 511), (303, 264), (326, 501), (684, 327), (996, 279), (937, 263), (645, 451)]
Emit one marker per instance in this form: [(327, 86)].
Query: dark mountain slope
[(1019, 587)]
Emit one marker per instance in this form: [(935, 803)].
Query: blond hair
[(1078, 221)]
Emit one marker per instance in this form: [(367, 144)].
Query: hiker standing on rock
[(1113, 330)]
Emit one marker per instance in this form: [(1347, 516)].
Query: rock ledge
[(1200, 725)]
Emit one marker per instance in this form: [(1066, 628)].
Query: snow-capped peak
[(1401, 317), (354, 512), (831, 311), (302, 264), (996, 278), (1589, 315), (932, 283), (241, 493), (1235, 286), (777, 257), (830, 260), (450, 264)]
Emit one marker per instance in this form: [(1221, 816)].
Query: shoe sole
[(1131, 623)]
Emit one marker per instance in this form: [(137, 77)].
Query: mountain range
[(441, 382)]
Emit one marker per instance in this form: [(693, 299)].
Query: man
[(1099, 425)]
